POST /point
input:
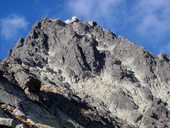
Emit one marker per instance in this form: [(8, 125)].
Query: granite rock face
[(79, 75)]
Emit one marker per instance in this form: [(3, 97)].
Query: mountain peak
[(76, 74)]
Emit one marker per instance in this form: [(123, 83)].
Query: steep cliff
[(79, 75)]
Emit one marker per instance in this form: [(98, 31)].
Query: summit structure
[(75, 74)]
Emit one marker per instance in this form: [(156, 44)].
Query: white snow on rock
[(73, 19), (67, 21)]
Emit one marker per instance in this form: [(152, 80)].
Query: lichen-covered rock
[(79, 75)]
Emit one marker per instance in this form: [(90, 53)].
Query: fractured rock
[(78, 75)]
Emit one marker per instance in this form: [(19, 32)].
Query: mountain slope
[(79, 75)]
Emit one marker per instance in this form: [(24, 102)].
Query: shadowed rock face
[(79, 75)]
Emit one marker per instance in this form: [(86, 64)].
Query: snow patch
[(73, 19), (67, 21)]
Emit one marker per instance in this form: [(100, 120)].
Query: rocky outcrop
[(79, 75)]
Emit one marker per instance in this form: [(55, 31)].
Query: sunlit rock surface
[(79, 75)]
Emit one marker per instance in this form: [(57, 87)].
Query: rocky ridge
[(79, 75)]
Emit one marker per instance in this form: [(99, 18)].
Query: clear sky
[(144, 22)]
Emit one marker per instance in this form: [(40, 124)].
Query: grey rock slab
[(81, 75)]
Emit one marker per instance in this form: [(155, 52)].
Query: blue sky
[(145, 22)]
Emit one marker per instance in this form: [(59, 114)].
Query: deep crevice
[(83, 57), (99, 58)]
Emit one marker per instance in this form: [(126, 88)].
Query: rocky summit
[(76, 74)]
